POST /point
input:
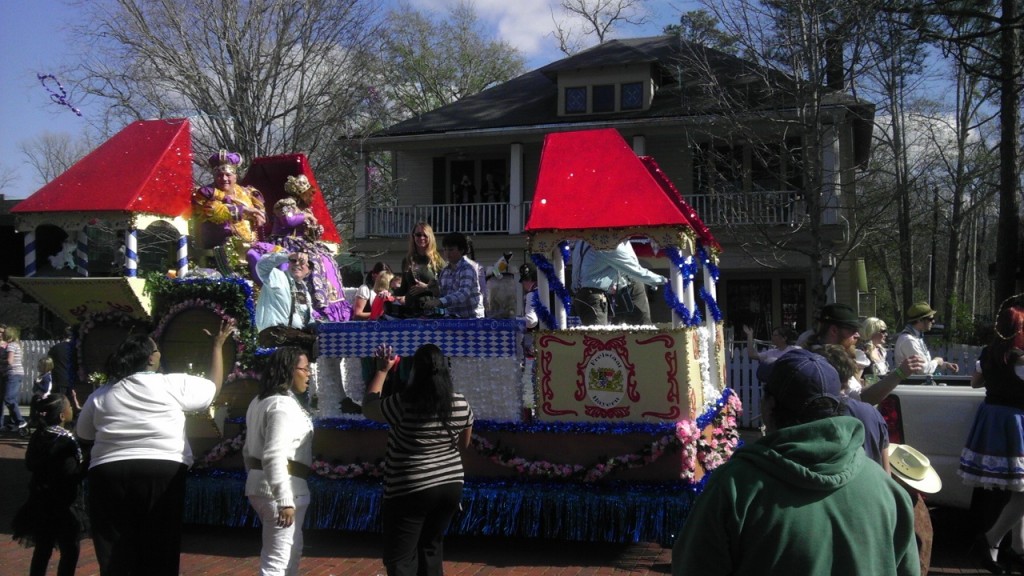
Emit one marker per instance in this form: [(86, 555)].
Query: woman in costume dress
[(420, 266), (226, 213), (991, 457), (296, 229)]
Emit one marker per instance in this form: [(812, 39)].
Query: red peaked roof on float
[(146, 167), (268, 175), (592, 179)]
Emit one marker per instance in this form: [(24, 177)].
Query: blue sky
[(35, 39)]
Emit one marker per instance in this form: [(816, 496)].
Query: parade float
[(607, 434)]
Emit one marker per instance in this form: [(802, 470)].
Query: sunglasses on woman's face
[(420, 235)]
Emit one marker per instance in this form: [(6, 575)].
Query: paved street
[(222, 551)]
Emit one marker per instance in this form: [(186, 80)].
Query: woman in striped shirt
[(430, 425)]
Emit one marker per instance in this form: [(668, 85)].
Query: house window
[(749, 303), (632, 96), (576, 100), (604, 98), (793, 296)]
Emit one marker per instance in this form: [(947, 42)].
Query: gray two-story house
[(472, 166)]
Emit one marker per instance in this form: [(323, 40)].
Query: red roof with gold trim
[(592, 179), (144, 168)]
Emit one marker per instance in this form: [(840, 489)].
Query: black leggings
[(135, 507), (67, 543)]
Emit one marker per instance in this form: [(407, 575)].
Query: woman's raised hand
[(227, 329), (385, 357)]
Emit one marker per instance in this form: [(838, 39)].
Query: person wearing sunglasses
[(873, 332), (420, 268), (278, 453), (910, 342)]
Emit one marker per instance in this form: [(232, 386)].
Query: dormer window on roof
[(604, 92)]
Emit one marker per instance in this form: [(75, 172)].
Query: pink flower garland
[(686, 437), (236, 368)]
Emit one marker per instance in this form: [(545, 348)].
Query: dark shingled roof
[(531, 99)]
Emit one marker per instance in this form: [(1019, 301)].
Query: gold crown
[(297, 185)]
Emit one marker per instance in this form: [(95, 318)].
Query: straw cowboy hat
[(914, 469)]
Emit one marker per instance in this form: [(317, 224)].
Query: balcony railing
[(471, 219), (770, 208)]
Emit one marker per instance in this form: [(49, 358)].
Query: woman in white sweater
[(278, 452)]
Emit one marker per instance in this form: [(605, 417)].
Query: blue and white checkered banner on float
[(484, 338)]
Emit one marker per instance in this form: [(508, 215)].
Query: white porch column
[(516, 215), (362, 197), (829, 177), (640, 145), (82, 253), (30, 253)]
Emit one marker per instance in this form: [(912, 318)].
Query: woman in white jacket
[(278, 452)]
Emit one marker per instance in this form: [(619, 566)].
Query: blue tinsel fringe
[(613, 512)]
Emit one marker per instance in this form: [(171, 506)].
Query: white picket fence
[(742, 376), (32, 351)]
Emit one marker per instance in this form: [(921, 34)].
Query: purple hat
[(798, 380), (225, 161)]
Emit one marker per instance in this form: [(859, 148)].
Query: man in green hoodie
[(804, 499)]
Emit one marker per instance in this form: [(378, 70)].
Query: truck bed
[(936, 421)]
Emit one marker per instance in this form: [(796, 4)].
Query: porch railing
[(471, 219), (768, 207)]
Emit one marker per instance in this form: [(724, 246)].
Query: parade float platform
[(607, 434)]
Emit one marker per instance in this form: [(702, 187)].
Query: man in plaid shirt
[(459, 281)]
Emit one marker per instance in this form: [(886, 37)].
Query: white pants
[(282, 547)]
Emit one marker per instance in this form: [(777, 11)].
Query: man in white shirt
[(910, 342), (528, 280)]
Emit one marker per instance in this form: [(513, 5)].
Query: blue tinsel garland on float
[(595, 512), (610, 512)]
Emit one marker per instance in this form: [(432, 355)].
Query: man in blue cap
[(804, 499)]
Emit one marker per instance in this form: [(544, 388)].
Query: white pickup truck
[(936, 418)]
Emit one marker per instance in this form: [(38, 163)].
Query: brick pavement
[(214, 551)]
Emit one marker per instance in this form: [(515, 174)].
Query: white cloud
[(527, 24)]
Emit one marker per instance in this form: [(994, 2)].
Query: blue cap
[(798, 379)]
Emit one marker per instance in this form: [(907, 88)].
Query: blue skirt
[(994, 454)]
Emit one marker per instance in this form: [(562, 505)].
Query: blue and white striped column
[(131, 253), (182, 256), (689, 296), (561, 314), (82, 253), (30, 253)]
